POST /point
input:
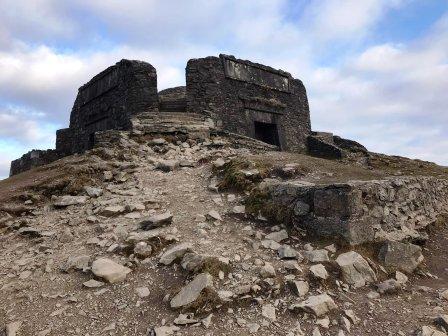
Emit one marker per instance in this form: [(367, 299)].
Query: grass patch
[(233, 177), (213, 266), (259, 202)]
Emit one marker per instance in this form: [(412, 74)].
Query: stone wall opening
[(266, 132)]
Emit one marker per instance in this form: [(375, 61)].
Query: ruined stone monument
[(108, 101), (240, 97), (250, 99)]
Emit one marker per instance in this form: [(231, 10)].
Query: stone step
[(248, 142), (174, 105), (196, 125)]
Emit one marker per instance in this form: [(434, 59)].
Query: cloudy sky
[(376, 70)]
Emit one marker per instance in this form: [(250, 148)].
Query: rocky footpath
[(164, 236)]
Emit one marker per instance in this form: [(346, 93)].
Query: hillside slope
[(151, 237)]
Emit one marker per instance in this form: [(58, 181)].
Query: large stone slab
[(192, 291)]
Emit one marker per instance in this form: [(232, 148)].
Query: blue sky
[(376, 70)]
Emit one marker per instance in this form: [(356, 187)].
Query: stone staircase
[(193, 126), (174, 123)]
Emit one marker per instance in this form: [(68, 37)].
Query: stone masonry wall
[(238, 93), (34, 158), (363, 211), (108, 101)]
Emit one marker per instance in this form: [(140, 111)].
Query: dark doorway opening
[(267, 133)]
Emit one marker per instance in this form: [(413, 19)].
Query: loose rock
[(319, 271), (278, 236), (174, 253), (109, 270), (396, 256), (64, 201), (156, 221), (318, 305), (355, 269), (191, 292), (316, 256)]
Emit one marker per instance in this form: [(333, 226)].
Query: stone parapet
[(362, 211)]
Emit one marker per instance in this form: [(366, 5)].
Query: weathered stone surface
[(165, 331), (192, 261), (32, 159), (13, 328), (64, 201), (172, 99), (184, 319), (250, 99), (113, 210), (363, 211), (319, 271), (390, 286), (142, 250), (174, 253), (429, 331), (277, 236), (167, 165), (316, 256), (320, 147), (192, 291), (108, 101), (80, 263), (109, 270), (142, 292), (318, 305), (93, 284), (442, 321), (300, 288), (400, 256), (268, 311), (267, 271), (213, 214), (444, 294), (156, 221), (355, 269), (287, 252), (218, 163), (270, 244), (93, 192), (239, 209)]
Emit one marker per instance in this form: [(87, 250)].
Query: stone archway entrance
[(267, 132)]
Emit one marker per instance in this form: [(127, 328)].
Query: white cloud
[(25, 127), (390, 97), (346, 19), (37, 19)]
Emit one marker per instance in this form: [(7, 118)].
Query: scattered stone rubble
[(140, 250)]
